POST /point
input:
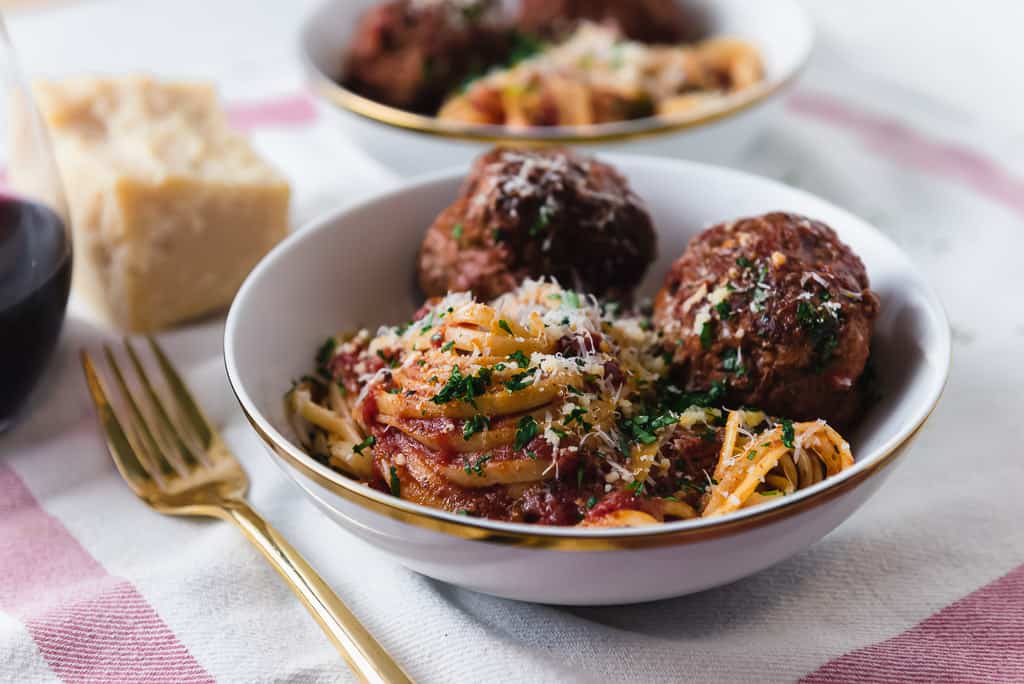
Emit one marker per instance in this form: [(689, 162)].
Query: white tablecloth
[(926, 581)]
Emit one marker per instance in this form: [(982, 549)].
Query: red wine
[(35, 276)]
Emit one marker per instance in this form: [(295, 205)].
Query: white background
[(966, 54)]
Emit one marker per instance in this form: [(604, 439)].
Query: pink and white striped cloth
[(925, 583)]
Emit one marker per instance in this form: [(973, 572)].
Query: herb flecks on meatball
[(530, 214), (777, 311), (648, 21), (413, 53)]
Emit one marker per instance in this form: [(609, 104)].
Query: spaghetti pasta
[(542, 406), (598, 77)]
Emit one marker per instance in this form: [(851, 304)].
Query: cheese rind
[(170, 208)]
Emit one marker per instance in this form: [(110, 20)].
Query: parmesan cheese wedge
[(169, 207)]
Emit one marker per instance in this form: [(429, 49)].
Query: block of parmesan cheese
[(169, 207)]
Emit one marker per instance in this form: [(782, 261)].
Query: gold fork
[(174, 460)]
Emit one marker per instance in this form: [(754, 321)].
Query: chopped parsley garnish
[(576, 416), (542, 222), (731, 361), (760, 295), (571, 298), (503, 324), (574, 390), (612, 309), (324, 355), (705, 336), (457, 231), (638, 487), (464, 387), (532, 454), (498, 234), (520, 358), (591, 502), (477, 467), (427, 324), (744, 262), (723, 309), (395, 390), (477, 423), (526, 430), (396, 484), (822, 328), (523, 47), (695, 486), (788, 433), (520, 381), (447, 346), (392, 361), (365, 444), (643, 429), (752, 454), (672, 398)]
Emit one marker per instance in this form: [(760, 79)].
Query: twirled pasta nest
[(543, 406)]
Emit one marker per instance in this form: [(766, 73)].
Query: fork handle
[(364, 654)]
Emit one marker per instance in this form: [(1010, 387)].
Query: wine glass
[(35, 244)]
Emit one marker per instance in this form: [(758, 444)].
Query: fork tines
[(151, 438)]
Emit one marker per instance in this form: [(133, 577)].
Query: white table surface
[(963, 54)]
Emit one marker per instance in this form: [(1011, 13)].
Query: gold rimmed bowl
[(354, 268), (411, 143)]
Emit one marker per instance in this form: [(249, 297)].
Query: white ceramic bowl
[(411, 143), (355, 268)]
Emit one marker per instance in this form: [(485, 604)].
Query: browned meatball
[(775, 309), (526, 214), (649, 21), (413, 53)]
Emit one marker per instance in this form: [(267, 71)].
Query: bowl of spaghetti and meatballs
[(425, 84), (598, 454)]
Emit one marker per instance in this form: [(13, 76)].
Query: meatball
[(413, 53), (648, 21), (774, 311), (527, 214)]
